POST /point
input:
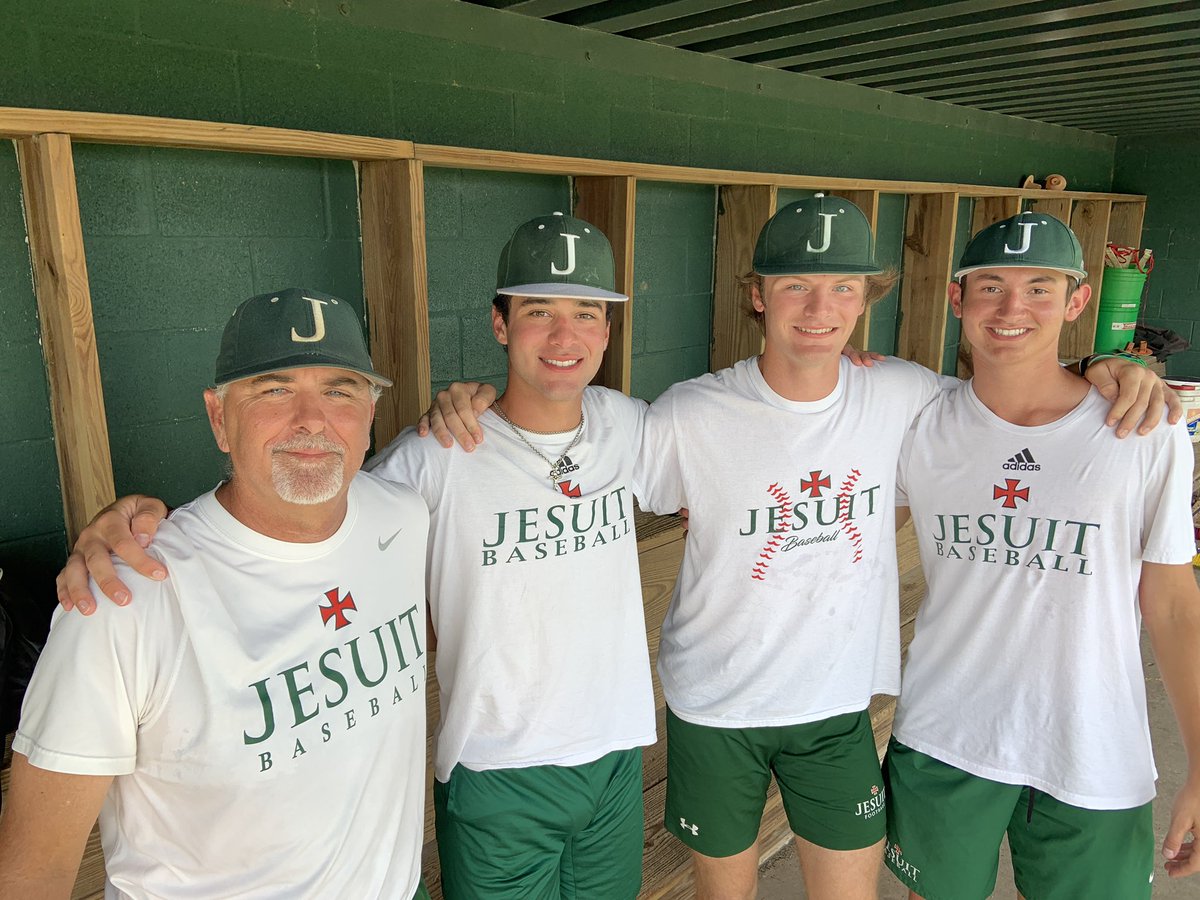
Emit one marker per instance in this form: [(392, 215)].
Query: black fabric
[(23, 628)]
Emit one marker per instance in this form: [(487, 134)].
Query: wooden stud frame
[(608, 201), (1089, 221), (868, 202), (392, 208), (394, 280), (742, 210), (68, 334), (928, 252)]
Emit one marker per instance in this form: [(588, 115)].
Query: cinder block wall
[(174, 239), (1163, 166)]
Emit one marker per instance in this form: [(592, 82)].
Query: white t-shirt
[(534, 591), (263, 709), (785, 610), (1026, 668)]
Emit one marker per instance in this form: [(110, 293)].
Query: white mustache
[(316, 442)]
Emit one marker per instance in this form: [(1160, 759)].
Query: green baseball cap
[(819, 236), (1031, 240), (558, 256), (293, 329)]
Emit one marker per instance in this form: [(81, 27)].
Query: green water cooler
[(1120, 300)]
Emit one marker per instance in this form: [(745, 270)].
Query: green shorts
[(544, 832), (422, 892), (945, 827), (827, 771)]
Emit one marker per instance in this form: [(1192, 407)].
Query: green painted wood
[(937, 24), (1087, 73), (738, 17), (545, 8), (1035, 45), (1141, 96), (631, 16), (811, 22)]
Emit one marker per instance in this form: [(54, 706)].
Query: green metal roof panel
[(1113, 66)]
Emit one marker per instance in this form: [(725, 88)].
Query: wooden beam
[(928, 248), (1125, 224), (68, 334), (742, 210), (608, 202), (989, 210), (392, 194), (1089, 221), (152, 131), (545, 164), (868, 202)]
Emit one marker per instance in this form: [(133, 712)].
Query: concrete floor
[(780, 876)]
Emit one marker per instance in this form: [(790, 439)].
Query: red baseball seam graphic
[(848, 527), (781, 497)]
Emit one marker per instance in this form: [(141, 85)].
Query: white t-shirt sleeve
[(1167, 531), (100, 678), (658, 474), (413, 461)]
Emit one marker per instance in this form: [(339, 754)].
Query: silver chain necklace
[(557, 467)]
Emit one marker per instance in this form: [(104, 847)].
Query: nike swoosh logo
[(383, 545)]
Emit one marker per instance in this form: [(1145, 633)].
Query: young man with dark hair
[(1045, 548)]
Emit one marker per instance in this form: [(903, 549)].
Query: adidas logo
[(1022, 462)]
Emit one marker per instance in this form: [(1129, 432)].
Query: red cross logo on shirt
[(1010, 493), (813, 484), (336, 609), (569, 489)]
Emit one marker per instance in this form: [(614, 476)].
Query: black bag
[(23, 629)]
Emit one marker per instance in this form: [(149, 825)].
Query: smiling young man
[(784, 620), (243, 728), (535, 596), (1044, 547)]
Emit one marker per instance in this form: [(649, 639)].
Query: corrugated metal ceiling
[(1116, 67)]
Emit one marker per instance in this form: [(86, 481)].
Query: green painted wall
[(175, 239), (31, 531), (1163, 167), (672, 284)]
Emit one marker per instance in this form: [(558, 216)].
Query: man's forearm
[(1171, 612)]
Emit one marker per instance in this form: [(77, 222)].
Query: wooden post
[(392, 195), (608, 202), (742, 210), (928, 248), (868, 202), (1089, 221), (1125, 223), (989, 210), (1059, 207), (68, 335)]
